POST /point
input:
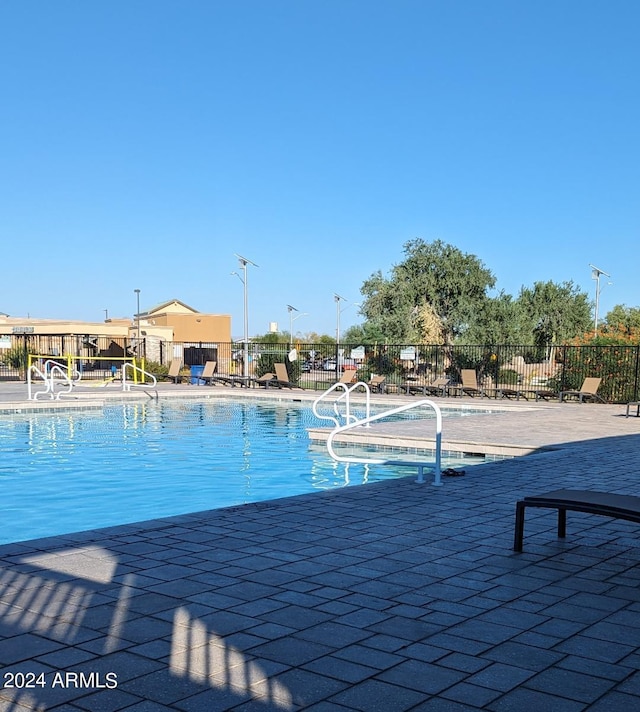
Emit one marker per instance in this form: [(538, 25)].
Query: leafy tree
[(435, 278), (499, 321), (623, 319), (555, 312), (272, 337), (366, 333), (313, 337)]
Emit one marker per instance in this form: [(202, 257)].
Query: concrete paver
[(391, 596)]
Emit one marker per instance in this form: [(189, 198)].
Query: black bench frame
[(617, 506)]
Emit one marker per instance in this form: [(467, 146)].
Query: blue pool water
[(70, 471)]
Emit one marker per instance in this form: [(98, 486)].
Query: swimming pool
[(70, 471)]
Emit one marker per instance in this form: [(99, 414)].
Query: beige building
[(187, 324), (165, 331)]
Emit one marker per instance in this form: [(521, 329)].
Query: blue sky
[(145, 142)]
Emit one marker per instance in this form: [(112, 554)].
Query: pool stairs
[(342, 415), (60, 382)]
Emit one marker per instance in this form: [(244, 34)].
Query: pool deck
[(391, 597)]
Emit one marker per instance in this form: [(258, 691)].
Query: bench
[(634, 404), (618, 506)]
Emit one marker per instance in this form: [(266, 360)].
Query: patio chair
[(282, 377), (509, 393), (545, 394), (208, 373), (348, 377), (210, 376), (174, 371), (470, 385), (265, 379), (437, 388), (587, 392), (377, 384)]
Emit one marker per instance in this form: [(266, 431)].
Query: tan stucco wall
[(15, 325), (193, 328)]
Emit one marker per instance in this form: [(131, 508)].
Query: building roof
[(161, 308)]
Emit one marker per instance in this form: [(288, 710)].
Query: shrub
[(265, 363), (508, 377), (156, 368), (16, 357)]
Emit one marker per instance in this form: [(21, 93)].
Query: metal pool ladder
[(352, 421), (56, 376)]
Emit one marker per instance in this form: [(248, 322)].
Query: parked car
[(345, 364)]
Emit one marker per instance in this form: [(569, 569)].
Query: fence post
[(637, 371)]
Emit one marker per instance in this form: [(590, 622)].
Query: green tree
[(312, 337), (623, 318), (272, 338), (498, 321), (554, 313), (366, 333), (437, 276)]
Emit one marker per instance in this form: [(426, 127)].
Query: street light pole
[(243, 266), (137, 291), (595, 274), (292, 318), (291, 309), (338, 299)]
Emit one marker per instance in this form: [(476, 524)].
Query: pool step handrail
[(137, 370), (52, 374), (345, 396), (437, 481)]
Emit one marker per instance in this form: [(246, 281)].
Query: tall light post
[(338, 299), (292, 318), (137, 291), (243, 266), (291, 309), (595, 274)]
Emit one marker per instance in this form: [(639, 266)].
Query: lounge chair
[(282, 377), (348, 377), (509, 392), (235, 381), (174, 371), (208, 373), (265, 379), (539, 394), (437, 388), (210, 376), (470, 385), (587, 392), (377, 384)]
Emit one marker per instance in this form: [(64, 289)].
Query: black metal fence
[(315, 366)]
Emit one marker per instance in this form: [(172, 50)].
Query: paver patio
[(392, 596)]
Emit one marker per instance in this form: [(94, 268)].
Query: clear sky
[(144, 142)]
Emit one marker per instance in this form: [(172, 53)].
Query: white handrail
[(346, 396), (126, 385), (379, 461), (51, 368)]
